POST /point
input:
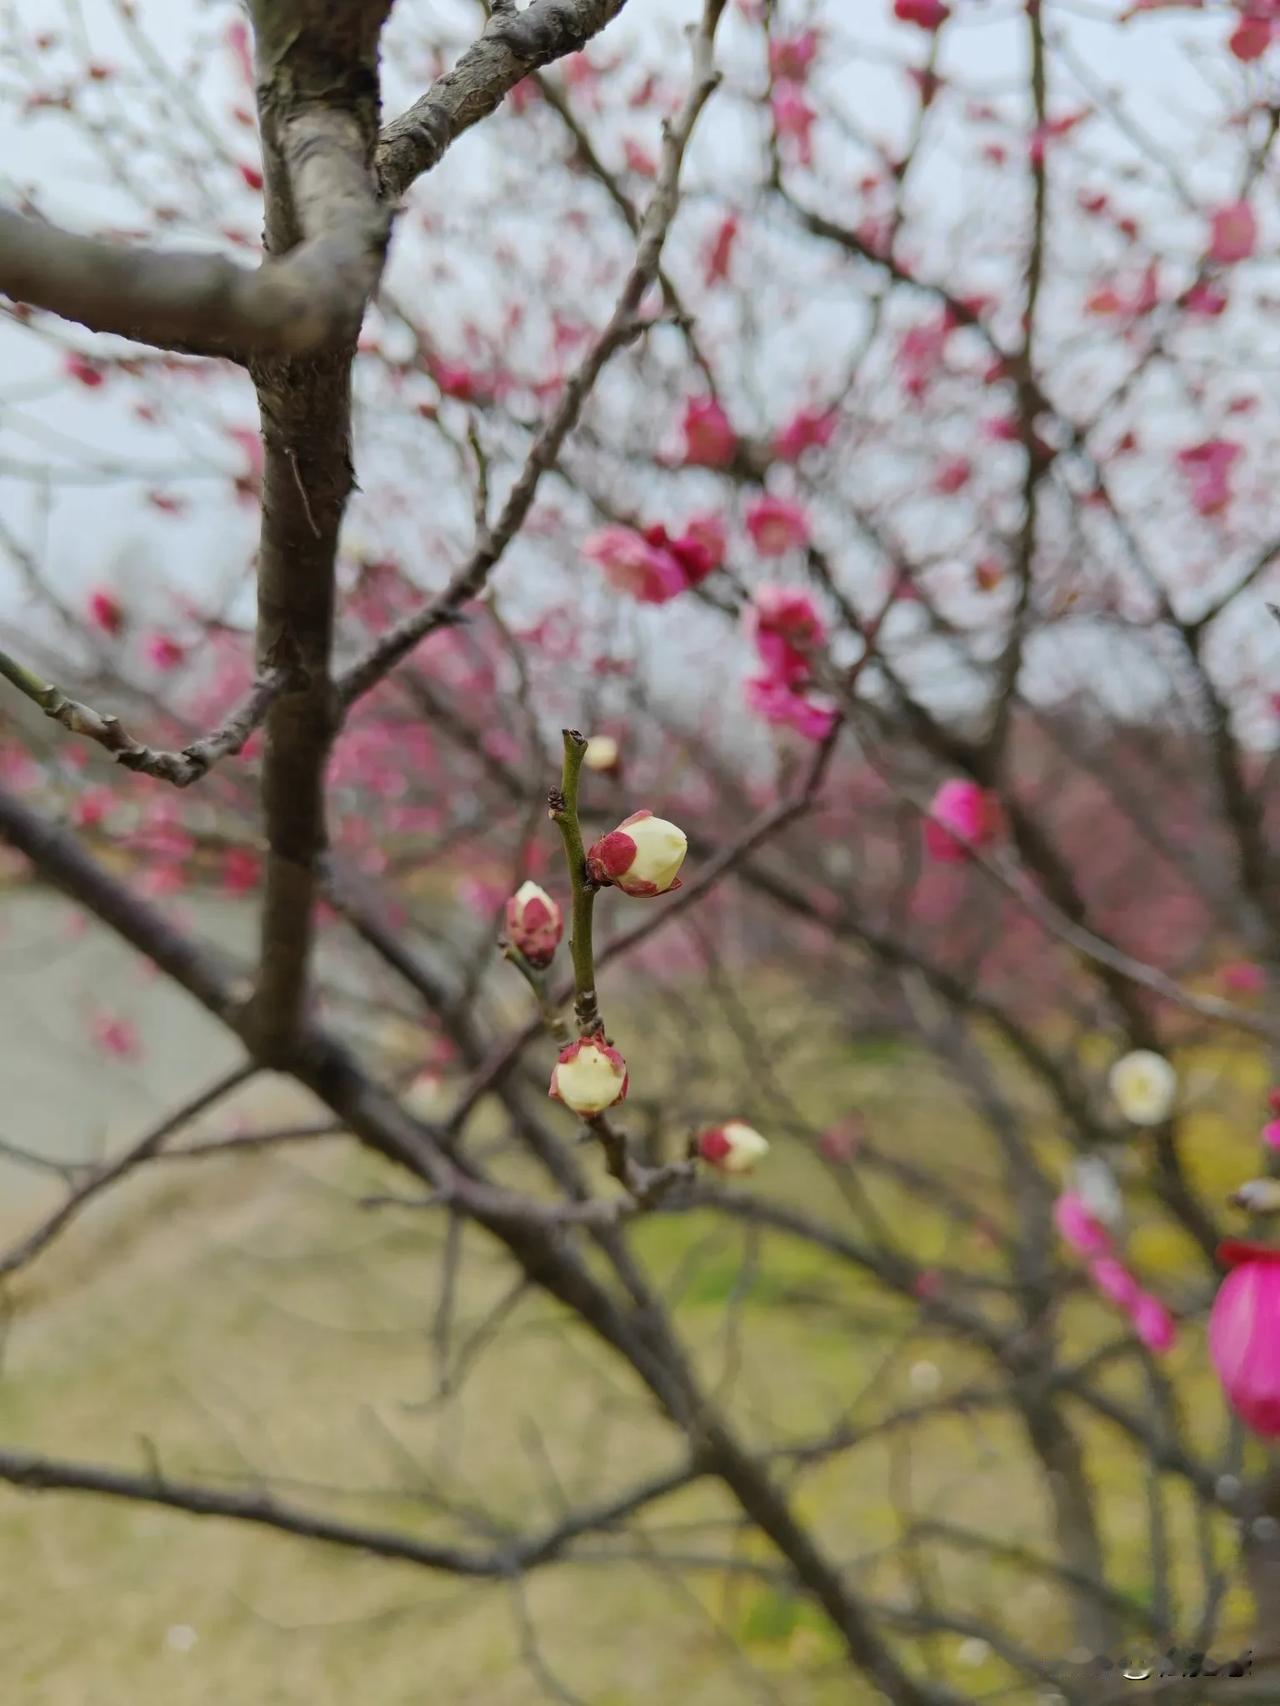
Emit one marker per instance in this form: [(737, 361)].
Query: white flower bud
[(733, 1147), (589, 1077), (601, 753), (641, 857), (1145, 1087)]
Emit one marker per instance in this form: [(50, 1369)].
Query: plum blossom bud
[(601, 754), (589, 1076), (1244, 1334), (962, 816), (106, 612), (534, 924), (1115, 1282), (732, 1147), (1153, 1323), (1145, 1087), (1086, 1236), (642, 856)]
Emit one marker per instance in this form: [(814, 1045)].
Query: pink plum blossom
[(1152, 1322), (1271, 1134), (926, 14), (962, 816), (1078, 1228), (780, 704), (1233, 233), (809, 429), (1244, 1334), (650, 573), (1115, 1282), (709, 440), (777, 526), (784, 625)]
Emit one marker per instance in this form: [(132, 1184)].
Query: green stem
[(537, 982), (564, 813)]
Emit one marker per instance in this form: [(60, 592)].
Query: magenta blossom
[(962, 816), (926, 14), (632, 563), (784, 625), (1086, 1236), (1244, 1334), (780, 704), (777, 526), (709, 440), (1271, 1134)]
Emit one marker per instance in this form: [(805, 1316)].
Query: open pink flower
[(782, 705), (632, 564), (1271, 1134), (1086, 1236), (777, 526), (1244, 1334), (784, 625), (1233, 233), (962, 816), (709, 440)]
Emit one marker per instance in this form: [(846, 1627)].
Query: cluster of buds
[(1080, 1224)]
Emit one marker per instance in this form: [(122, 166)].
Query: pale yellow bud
[(1145, 1087), (589, 1077), (601, 753)]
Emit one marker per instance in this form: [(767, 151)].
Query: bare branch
[(181, 768), (510, 47)]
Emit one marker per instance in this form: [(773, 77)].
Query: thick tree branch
[(511, 46)]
